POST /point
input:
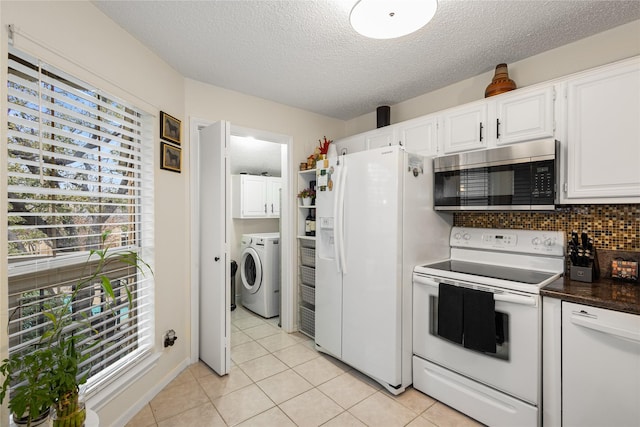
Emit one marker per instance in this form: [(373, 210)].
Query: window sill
[(100, 398)]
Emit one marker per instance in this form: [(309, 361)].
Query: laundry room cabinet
[(255, 196), (306, 260)]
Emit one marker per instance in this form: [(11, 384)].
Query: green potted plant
[(307, 195), (31, 400), (49, 375)]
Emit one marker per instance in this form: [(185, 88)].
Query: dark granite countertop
[(604, 293)]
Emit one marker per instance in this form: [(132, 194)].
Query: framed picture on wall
[(170, 128), (171, 157)]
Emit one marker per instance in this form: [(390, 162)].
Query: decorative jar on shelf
[(501, 82)]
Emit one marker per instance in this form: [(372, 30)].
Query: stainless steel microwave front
[(515, 177)]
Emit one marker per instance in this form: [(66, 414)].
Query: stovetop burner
[(519, 260), (518, 275)]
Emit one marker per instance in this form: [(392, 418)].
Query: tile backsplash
[(613, 227)]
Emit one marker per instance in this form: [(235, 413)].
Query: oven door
[(514, 368)]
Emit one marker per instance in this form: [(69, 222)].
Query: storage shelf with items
[(306, 236), (306, 206), (307, 296)]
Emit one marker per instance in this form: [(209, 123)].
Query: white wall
[(212, 103), (79, 39), (609, 46)]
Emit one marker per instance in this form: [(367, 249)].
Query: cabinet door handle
[(481, 131), (265, 208), (497, 128), (271, 207)]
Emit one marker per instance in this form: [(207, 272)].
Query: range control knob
[(466, 236), (457, 236), (548, 242), (535, 241)]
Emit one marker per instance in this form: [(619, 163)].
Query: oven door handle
[(497, 296), (516, 299)]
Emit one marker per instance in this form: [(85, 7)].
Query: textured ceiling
[(304, 53)]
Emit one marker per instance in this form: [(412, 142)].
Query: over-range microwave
[(513, 177)]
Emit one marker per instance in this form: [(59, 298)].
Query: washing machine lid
[(251, 270)]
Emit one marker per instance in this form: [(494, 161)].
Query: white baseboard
[(129, 413)]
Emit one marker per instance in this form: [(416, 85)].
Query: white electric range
[(477, 322)]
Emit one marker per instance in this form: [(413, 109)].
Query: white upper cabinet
[(274, 185), (523, 115), (255, 196), (603, 135), (419, 135), (465, 128), (381, 137), (351, 144), (517, 116)]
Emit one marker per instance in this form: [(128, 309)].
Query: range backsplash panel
[(612, 227)]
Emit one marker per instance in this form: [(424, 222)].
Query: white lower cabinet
[(600, 367), (603, 135)]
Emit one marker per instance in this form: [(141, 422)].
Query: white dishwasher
[(600, 367)]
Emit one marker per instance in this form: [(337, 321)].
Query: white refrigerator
[(375, 223)]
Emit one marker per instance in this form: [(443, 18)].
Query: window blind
[(79, 167)]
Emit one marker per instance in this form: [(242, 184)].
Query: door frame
[(287, 226)]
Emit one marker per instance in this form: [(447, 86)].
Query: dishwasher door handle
[(587, 322)]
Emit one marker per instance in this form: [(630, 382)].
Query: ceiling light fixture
[(388, 19)]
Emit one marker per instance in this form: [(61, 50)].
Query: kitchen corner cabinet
[(255, 196), (420, 135), (603, 135), (381, 137), (306, 260), (518, 116)]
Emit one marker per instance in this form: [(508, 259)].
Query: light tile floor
[(279, 379)]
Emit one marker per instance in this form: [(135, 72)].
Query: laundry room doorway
[(216, 161)]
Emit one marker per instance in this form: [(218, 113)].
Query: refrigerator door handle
[(339, 216), (336, 228)]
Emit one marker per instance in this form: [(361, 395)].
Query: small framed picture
[(171, 157), (170, 128)]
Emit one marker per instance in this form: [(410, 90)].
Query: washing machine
[(260, 273)]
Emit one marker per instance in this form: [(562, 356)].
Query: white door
[(603, 131), (420, 135), (524, 116), (382, 137), (214, 280), (371, 310), (254, 196), (328, 290), (465, 128), (274, 185), (608, 341)]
